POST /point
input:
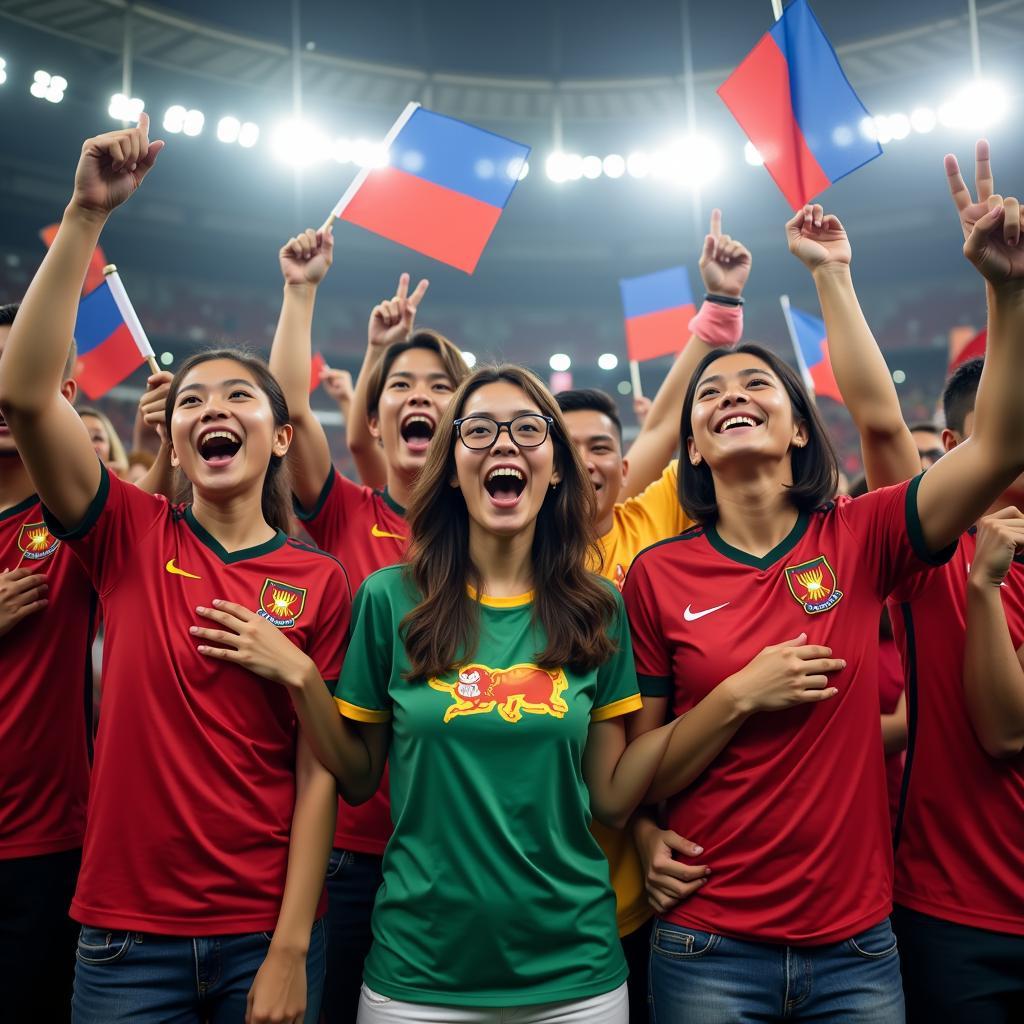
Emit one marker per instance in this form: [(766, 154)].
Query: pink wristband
[(717, 325)]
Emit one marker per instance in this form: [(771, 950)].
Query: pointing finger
[(716, 222)]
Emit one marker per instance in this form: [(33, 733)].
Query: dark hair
[(571, 606), (9, 310), (449, 354), (924, 425), (815, 466), (590, 400), (858, 486), (959, 393), (276, 497)]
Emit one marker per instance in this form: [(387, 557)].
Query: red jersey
[(194, 779), (792, 813), (46, 695), (890, 689), (366, 530), (960, 838)]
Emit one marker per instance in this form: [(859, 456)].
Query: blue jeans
[(702, 978), (131, 978), (352, 883)]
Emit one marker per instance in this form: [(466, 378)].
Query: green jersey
[(495, 892)]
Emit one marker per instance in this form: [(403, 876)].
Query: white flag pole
[(357, 181), (634, 376), (777, 9), (791, 327), (131, 318)]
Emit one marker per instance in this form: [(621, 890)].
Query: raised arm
[(338, 385), (724, 269), (391, 320), (993, 676), (820, 242), (966, 481), (52, 441), (305, 260)]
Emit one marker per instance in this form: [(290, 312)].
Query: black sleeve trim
[(92, 513), (654, 686), (305, 515), (916, 532)]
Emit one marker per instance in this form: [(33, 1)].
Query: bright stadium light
[(517, 169), (899, 126), (341, 150), (752, 156), (614, 166), (898, 376), (554, 167), (976, 106), (300, 144), (559, 362), (369, 154), (883, 133), (125, 108), (923, 120), (469, 359), (624, 387), (174, 119), (638, 164), (248, 134), (869, 129), (3, 71), (194, 121), (691, 161), (228, 129), (591, 167), (608, 361), (48, 87)]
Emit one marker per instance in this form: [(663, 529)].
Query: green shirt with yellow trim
[(495, 892)]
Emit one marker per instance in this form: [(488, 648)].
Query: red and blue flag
[(811, 344), (110, 339), (794, 102), (658, 308), (442, 190)]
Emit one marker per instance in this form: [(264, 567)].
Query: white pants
[(610, 1008)]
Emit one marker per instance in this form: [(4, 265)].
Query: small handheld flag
[(793, 100), (316, 365), (658, 309), (110, 339), (974, 349), (94, 275), (810, 345), (443, 189)]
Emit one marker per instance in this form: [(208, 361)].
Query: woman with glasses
[(495, 671)]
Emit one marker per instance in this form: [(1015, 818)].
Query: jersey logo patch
[(281, 603), (175, 571), (35, 541), (692, 616), (376, 531), (813, 584), (479, 690)]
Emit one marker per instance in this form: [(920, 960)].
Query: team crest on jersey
[(813, 584), (479, 690), (281, 603), (35, 541)]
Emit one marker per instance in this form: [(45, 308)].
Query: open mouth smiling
[(736, 422), (218, 447), (505, 485), (417, 431)]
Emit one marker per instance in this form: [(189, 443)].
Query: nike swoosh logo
[(376, 531), (694, 616), (175, 571)]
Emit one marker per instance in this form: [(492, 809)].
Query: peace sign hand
[(970, 210), (394, 319), (817, 239), (112, 167), (724, 262), (994, 244)]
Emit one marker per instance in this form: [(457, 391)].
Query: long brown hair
[(571, 606), (276, 497)]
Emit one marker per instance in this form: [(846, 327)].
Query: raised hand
[(994, 244), (337, 384), (818, 239), (306, 258), (112, 167), (394, 319), (153, 403), (22, 593), (724, 262), (1000, 537), (971, 210)]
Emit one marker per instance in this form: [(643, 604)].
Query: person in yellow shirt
[(638, 505)]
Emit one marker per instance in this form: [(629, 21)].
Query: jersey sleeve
[(328, 520), (617, 692), (659, 503), (333, 622), (107, 539), (362, 691), (650, 651), (889, 537)]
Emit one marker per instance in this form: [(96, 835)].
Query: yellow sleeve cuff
[(616, 708), (358, 714)]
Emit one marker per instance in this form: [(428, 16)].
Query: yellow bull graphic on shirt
[(480, 689)]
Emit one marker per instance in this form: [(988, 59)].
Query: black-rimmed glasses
[(528, 430)]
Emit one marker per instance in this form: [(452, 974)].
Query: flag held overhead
[(792, 98), (110, 339), (658, 308), (442, 190), (810, 345)]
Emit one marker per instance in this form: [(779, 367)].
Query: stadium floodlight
[(977, 105), (554, 167), (517, 169), (608, 361), (614, 166), (48, 87), (300, 143), (899, 126), (591, 167), (573, 167), (3, 71), (559, 362), (369, 154), (692, 161), (125, 108), (752, 156), (469, 359), (248, 134), (341, 150), (883, 132), (174, 119), (923, 120), (194, 121), (869, 129), (228, 129), (638, 164)]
